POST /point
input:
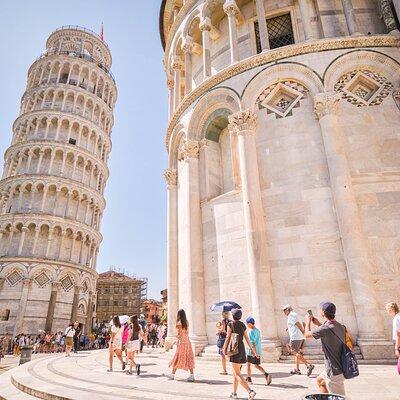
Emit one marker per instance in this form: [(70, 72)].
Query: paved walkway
[(84, 377)]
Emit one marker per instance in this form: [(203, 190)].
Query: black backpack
[(349, 361)]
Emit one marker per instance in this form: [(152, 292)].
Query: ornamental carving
[(281, 98), (243, 121), (171, 176), (189, 149), (326, 103), (231, 8), (387, 15), (364, 88), (396, 97)]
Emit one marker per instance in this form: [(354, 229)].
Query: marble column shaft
[(74, 310), (243, 124), (231, 9), (19, 319), (350, 16), (305, 19), (172, 251), (205, 28), (51, 307), (194, 243), (355, 247), (262, 24)]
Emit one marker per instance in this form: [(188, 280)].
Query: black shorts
[(254, 360)]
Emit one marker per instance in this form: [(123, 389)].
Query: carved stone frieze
[(243, 122)]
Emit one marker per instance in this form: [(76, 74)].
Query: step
[(9, 392)]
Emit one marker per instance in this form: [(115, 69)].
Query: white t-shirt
[(70, 332), (396, 325), (117, 341), (293, 329)]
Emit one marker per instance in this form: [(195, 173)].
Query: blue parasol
[(223, 306)]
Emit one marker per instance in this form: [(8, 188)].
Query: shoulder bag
[(233, 345)]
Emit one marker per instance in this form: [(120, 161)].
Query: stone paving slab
[(84, 377)]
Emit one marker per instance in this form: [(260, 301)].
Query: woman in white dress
[(133, 344), (115, 346)]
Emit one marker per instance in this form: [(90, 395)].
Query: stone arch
[(275, 74), (219, 98), (358, 60)]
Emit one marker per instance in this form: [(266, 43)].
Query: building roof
[(114, 275)]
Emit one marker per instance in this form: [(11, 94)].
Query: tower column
[(356, 250), (262, 24), (305, 19), (55, 287), (19, 320), (177, 66), (172, 257), (205, 27), (350, 16), (244, 124), (194, 268), (74, 310), (232, 11)]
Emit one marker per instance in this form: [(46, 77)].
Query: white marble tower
[(51, 192)]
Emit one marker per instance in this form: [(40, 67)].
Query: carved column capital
[(177, 64), (55, 286), (170, 83), (171, 176), (189, 149), (205, 24), (243, 121), (231, 8), (27, 282), (326, 103)]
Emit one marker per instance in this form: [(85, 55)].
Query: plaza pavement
[(84, 377)]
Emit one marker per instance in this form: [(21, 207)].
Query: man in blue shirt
[(255, 342)]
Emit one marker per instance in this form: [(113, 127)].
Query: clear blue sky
[(134, 223)]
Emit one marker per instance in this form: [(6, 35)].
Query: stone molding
[(243, 122), (326, 103), (171, 176), (275, 55), (231, 8)]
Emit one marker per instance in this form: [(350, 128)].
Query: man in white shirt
[(295, 329), (393, 310)]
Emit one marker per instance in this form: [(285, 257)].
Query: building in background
[(119, 294), (283, 171), (151, 309), (51, 192)]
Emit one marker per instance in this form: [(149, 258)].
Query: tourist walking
[(295, 329), (143, 324), (115, 346), (69, 339), (184, 357), (133, 344), (77, 336), (332, 335), (393, 310), (255, 345), (160, 335), (222, 328), (237, 333)]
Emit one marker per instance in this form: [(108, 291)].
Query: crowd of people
[(239, 343)]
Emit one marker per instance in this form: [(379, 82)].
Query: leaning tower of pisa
[(284, 171), (51, 192)]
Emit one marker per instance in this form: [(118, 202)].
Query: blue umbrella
[(223, 306)]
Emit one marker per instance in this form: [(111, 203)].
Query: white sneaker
[(233, 396), (190, 378), (170, 376), (252, 394)]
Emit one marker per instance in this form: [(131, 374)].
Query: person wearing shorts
[(133, 344), (115, 346), (69, 339), (295, 329), (255, 345), (221, 336)]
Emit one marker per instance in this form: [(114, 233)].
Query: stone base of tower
[(376, 349), (272, 350)]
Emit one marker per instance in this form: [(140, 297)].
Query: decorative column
[(205, 27), (356, 251), (305, 19), (19, 319), (22, 239), (172, 240), (187, 49), (350, 16), (388, 17), (177, 66), (89, 315), (232, 11), (55, 286), (74, 310), (396, 4), (192, 265), (170, 85), (262, 25), (244, 124)]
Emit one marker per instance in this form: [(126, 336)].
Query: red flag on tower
[(102, 32)]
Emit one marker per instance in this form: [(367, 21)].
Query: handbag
[(233, 345), (349, 361)]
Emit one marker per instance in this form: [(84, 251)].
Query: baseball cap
[(287, 307), (250, 320), (328, 307)]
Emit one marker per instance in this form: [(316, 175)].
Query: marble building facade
[(284, 171), (51, 192)]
